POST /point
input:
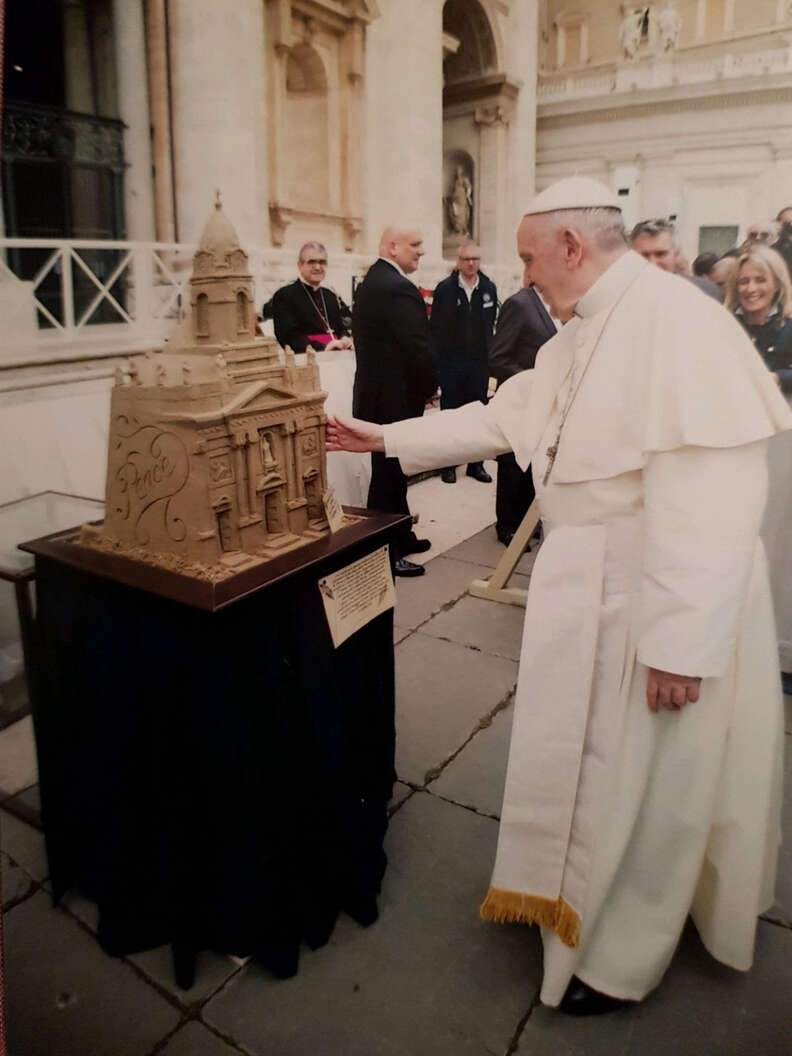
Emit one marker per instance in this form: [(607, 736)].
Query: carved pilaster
[(238, 442)]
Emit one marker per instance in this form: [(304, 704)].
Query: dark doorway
[(62, 150)]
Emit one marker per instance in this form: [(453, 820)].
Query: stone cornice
[(690, 98), (488, 88)]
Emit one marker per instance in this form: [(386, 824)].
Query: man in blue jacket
[(464, 307)]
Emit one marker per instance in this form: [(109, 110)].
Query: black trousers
[(461, 385), (388, 493), (514, 493)]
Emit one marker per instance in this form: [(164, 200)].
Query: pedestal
[(214, 774)]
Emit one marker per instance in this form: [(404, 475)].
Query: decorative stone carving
[(631, 31), (669, 26), (459, 204), (187, 458)]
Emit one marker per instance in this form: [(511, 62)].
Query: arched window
[(202, 315), (243, 314)]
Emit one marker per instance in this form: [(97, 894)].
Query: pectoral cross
[(551, 453)]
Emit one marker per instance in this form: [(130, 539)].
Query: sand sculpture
[(217, 456)]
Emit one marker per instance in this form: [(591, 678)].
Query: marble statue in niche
[(669, 26), (631, 31), (459, 204)]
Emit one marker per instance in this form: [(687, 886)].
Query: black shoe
[(402, 567), (448, 476), (417, 546), (583, 1000), (505, 535), (478, 472)]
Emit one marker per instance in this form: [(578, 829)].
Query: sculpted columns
[(217, 74)]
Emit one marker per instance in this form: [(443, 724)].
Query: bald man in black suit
[(396, 374)]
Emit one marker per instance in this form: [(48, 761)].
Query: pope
[(644, 777)]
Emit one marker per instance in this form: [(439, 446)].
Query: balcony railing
[(661, 72), (84, 293)]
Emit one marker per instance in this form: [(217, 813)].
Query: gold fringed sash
[(513, 907)]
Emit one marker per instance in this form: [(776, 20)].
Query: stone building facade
[(682, 106), (216, 451)]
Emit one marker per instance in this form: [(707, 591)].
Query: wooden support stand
[(494, 588)]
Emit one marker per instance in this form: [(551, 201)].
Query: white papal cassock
[(617, 822)]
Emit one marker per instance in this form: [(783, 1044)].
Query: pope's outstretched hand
[(353, 434)]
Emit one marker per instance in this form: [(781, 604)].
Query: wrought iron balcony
[(41, 133)]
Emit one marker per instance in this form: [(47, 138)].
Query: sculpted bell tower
[(221, 287)]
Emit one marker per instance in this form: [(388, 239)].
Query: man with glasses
[(307, 313), (461, 326), (657, 242)]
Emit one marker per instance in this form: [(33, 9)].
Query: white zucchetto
[(575, 192)]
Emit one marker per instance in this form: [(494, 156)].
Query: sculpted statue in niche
[(459, 204), (669, 25), (631, 30)]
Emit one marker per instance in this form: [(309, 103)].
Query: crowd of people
[(471, 339)]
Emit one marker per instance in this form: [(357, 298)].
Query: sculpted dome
[(219, 237)]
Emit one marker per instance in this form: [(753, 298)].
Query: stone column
[(133, 109), (239, 441), (701, 19), (77, 58), (728, 16), (219, 134), (159, 108), (523, 62), (404, 120), (494, 219), (252, 471)]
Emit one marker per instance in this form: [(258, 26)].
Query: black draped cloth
[(212, 779)]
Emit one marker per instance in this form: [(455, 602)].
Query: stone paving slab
[(18, 769), (16, 882), (781, 912), (25, 845), (428, 979), (442, 690), (400, 793), (213, 970), (444, 582), (484, 549), (477, 776), (701, 1009), (64, 996), (400, 633), (26, 805), (194, 1039), (487, 625)]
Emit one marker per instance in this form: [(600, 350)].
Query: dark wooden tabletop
[(203, 594)]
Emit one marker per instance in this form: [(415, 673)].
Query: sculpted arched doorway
[(476, 107)]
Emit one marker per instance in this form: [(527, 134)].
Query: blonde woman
[(760, 295)]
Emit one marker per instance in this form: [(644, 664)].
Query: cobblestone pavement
[(428, 979)]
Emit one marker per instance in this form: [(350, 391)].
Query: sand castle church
[(216, 452)]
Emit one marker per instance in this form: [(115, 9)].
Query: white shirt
[(393, 264), (469, 290)]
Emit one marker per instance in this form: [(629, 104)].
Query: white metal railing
[(78, 284), (78, 294), (662, 72)]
